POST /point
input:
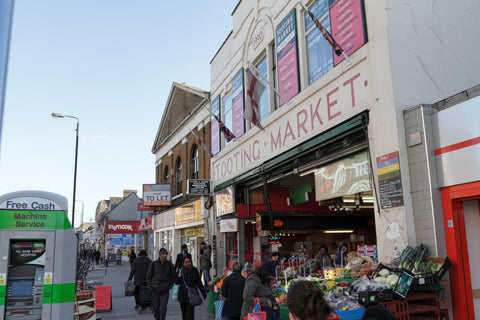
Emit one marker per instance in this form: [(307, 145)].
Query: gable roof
[(126, 210), (182, 101)]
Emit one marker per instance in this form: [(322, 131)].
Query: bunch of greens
[(412, 258)]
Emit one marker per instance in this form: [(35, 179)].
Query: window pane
[(264, 105), (319, 9), (227, 113), (194, 163), (319, 52)]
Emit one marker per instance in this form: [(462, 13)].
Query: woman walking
[(139, 273), (188, 276)]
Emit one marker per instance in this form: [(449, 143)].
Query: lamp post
[(59, 115)]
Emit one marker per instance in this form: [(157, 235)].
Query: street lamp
[(59, 115)]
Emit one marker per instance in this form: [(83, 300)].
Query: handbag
[(255, 312), (175, 292), (129, 288), (194, 298)]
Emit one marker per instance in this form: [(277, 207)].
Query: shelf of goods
[(368, 251)]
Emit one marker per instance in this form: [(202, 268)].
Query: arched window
[(194, 163), (166, 175), (179, 178)]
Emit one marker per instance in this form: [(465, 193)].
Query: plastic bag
[(129, 289), (175, 289)]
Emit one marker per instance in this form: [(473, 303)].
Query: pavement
[(124, 307)]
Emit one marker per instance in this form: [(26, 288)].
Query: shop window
[(166, 175), (319, 51), (194, 163), (228, 113), (264, 103), (179, 177)]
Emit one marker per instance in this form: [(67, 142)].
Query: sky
[(111, 63)]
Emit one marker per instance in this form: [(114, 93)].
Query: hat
[(163, 251), (268, 267)]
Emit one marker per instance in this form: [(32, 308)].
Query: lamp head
[(57, 115)]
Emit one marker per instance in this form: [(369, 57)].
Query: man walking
[(205, 263), (160, 277), (182, 255)]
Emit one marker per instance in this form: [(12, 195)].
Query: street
[(124, 307)]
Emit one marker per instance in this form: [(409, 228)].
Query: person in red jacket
[(305, 301)]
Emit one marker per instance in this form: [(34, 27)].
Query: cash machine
[(37, 257)]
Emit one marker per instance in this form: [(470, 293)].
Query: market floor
[(124, 307)]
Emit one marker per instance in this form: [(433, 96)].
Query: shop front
[(164, 223), (119, 235), (190, 229), (145, 235)]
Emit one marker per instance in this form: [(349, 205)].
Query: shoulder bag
[(194, 298)]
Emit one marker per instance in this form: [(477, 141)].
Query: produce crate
[(381, 266), (399, 309), (365, 297), (447, 263), (423, 279), (351, 314)]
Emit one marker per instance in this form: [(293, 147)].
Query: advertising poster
[(348, 26), (238, 104), (121, 240), (225, 201), (157, 195), (215, 132), (27, 252), (287, 57)]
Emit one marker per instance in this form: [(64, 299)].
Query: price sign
[(103, 297)]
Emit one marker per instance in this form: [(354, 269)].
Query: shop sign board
[(225, 201), (193, 232), (340, 100), (33, 220), (198, 187), (274, 239), (190, 212), (144, 224), (121, 227), (157, 195), (389, 181), (349, 175), (229, 225)]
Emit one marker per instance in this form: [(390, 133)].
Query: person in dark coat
[(189, 276), (257, 285), (131, 258), (182, 255), (232, 291), (160, 278), (139, 273), (341, 255)]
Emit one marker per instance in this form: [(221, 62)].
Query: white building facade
[(381, 112)]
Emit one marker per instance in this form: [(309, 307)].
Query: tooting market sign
[(345, 97)]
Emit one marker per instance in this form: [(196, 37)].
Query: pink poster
[(286, 38), (347, 23)]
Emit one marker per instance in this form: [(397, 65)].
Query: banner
[(121, 227)]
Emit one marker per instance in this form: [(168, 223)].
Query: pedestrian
[(96, 255), (119, 257), (375, 311), (160, 278), (323, 259), (131, 258), (341, 255), (232, 291), (276, 257), (257, 285), (139, 273), (205, 263), (182, 255), (305, 301), (188, 276)]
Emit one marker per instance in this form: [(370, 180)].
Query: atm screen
[(21, 288)]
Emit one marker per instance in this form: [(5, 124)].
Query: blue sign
[(122, 240)]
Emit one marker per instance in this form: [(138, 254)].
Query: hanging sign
[(389, 181), (198, 187)]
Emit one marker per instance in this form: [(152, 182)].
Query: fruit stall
[(410, 287)]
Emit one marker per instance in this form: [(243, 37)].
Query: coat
[(254, 288), (139, 270), (232, 290), (205, 262), (179, 261), (323, 260), (160, 276), (192, 279)]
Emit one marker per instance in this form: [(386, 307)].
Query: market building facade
[(349, 150), (180, 159)]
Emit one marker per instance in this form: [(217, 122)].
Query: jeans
[(159, 304), (188, 312), (206, 278)]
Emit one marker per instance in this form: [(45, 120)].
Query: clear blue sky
[(111, 64)]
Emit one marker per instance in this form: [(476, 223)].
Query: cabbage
[(384, 273)]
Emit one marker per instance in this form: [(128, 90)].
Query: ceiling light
[(337, 231)]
